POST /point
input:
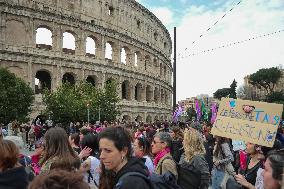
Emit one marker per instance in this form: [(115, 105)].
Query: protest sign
[(249, 121)]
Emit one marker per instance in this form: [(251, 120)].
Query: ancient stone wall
[(144, 76)]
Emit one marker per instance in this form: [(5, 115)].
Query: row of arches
[(147, 119), (44, 39), (152, 94), (138, 92), (43, 80)]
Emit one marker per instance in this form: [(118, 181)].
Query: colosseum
[(110, 40)]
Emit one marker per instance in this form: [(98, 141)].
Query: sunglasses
[(155, 142)]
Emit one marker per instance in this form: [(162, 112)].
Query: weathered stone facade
[(145, 77)]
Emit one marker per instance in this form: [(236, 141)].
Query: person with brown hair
[(273, 170), (222, 159), (58, 152), (142, 149), (12, 174), (177, 148), (59, 179), (117, 161)]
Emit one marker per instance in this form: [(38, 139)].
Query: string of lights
[(194, 42), (232, 44)]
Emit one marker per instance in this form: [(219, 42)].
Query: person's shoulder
[(168, 157), (135, 182)]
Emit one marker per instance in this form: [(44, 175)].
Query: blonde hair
[(192, 144)]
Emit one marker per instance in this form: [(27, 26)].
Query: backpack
[(155, 181), (188, 176)]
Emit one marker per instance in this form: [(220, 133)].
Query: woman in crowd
[(74, 140), (222, 159), (142, 149), (177, 136), (18, 141), (12, 174), (115, 155), (194, 157), (58, 153), (248, 176), (36, 156), (59, 179), (273, 170), (91, 166), (163, 161)]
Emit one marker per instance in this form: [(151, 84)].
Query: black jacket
[(133, 182), (15, 178)]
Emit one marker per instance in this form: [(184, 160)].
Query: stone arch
[(165, 71), (69, 78), (44, 37), (149, 119), (147, 62), (42, 81), (162, 96), (156, 65), (166, 97), (156, 118), (139, 118), (92, 79), (69, 42), (126, 117), (161, 69), (137, 58), (166, 118), (156, 95), (125, 90), (138, 92), (110, 80), (91, 45), (109, 50), (125, 55), (149, 93)]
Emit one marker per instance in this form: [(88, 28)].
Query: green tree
[(108, 100), (225, 92), (16, 98), (71, 103), (233, 93), (276, 97), (266, 78)]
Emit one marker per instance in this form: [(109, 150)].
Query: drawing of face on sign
[(248, 108)]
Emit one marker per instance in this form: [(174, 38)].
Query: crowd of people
[(119, 155)]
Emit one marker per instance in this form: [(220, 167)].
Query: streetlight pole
[(88, 112), (174, 73), (99, 114)]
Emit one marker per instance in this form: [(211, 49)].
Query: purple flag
[(214, 112), (197, 109)]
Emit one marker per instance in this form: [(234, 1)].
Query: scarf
[(160, 155)]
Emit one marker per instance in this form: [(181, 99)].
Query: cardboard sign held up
[(250, 121)]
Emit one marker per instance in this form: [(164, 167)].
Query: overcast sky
[(206, 72)]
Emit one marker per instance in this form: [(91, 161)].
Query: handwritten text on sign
[(250, 121)]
